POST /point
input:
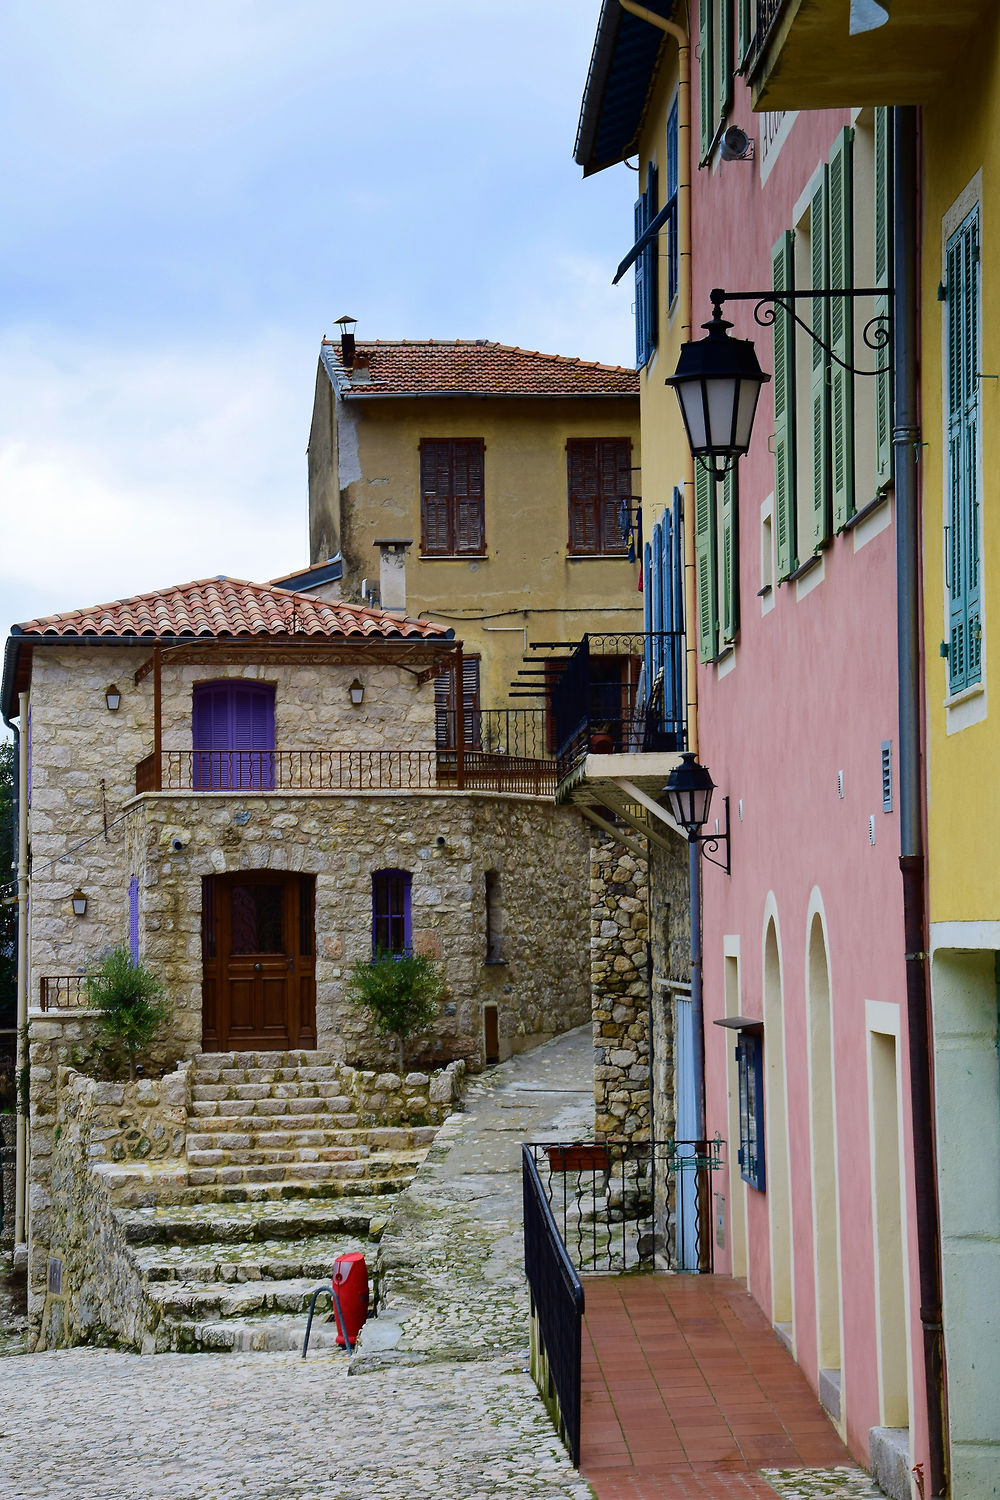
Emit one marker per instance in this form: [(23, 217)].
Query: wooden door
[(259, 990)]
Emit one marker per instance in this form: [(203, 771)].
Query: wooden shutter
[(724, 51), (673, 247), (883, 277), (784, 412), (744, 29), (652, 258), (965, 650), (468, 496), (639, 215), (436, 533), (729, 546), (819, 259), (582, 471), (704, 549), (444, 718), (654, 606), (842, 329), (706, 90), (470, 703), (614, 479)]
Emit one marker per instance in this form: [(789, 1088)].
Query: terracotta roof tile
[(229, 607), (450, 366)]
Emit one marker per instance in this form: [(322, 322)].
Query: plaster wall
[(526, 587)]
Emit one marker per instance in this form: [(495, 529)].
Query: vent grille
[(887, 776)]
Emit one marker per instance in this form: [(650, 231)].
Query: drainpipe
[(681, 36), (912, 862), (21, 806)]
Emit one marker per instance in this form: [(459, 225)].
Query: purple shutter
[(391, 924), (233, 732), (133, 918)]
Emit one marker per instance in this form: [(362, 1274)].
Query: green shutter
[(704, 551), (784, 411), (819, 388), (730, 557), (965, 651), (883, 277), (744, 29), (842, 329), (724, 49), (705, 77)]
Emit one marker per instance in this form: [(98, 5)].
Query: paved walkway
[(466, 1425), (688, 1392)]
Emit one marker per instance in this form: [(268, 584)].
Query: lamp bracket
[(876, 334), (714, 841)]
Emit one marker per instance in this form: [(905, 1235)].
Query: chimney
[(347, 326), (392, 572)]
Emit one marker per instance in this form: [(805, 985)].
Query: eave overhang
[(623, 67)]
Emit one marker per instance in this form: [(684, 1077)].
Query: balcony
[(483, 763), (804, 57)]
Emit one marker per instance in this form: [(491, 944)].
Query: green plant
[(401, 993), (130, 1003)]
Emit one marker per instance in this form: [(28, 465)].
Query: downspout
[(684, 156), (21, 805), (912, 862)]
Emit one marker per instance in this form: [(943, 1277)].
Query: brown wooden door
[(259, 990)]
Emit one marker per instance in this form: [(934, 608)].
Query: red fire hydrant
[(350, 1285)]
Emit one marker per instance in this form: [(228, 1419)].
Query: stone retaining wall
[(8, 1162), (619, 926)]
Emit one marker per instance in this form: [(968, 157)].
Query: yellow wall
[(526, 581), (960, 140)]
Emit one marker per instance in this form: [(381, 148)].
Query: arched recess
[(823, 1143), (776, 1126)]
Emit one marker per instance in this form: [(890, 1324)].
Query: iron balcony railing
[(557, 1306), (620, 693), (63, 992), (627, 1205), (766, 14), (344, 771)]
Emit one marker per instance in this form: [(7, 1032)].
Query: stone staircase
[(289, 1164)]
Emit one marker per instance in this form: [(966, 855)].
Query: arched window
[(391, 911), (494, 918)]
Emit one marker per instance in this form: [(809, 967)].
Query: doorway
[(258, 961)]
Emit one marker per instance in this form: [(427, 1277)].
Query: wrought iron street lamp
[(688, 792), (718, 381)]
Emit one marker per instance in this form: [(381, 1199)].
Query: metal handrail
[(62, 992), (557, 1301)]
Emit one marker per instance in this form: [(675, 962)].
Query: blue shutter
[(965, 651), (656, 602), (652, 257), (640, 286), (647, 613), (133, 918), (673, 246)]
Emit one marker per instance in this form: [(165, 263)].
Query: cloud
[(122, 470)]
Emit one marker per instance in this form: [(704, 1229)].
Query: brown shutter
[(467, 471), (584, 532), (444, 718), (435, 497), (615, 468), (470, 703)]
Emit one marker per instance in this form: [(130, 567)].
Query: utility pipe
[(21, 1149), (912, 862)]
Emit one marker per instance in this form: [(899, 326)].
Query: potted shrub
[(130, 1003), (400, 992)]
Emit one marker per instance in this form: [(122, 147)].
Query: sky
[(195, 192)]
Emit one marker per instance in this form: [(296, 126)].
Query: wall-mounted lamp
[(688, 792), (113, 697), (79, 901), (357, 691)]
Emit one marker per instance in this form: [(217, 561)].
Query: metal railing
[(62, 992), (622, 1204), (557, 1305), (344, 771), (515, 731), (601, 702), (765, 15)]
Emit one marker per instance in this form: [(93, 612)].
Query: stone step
[(306, 1092), (269, 1156), (208, 1130), (253, 1262), (329, 1074), (198, 1221), (385, 1176), (199, 1303), (298, 1059), (268, 1334)]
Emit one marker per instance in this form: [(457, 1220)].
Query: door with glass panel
[(259, 967)]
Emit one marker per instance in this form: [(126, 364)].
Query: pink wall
[(812, 692)]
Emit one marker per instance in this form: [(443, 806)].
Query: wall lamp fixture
[(79, 900), (113, 697), (718, 378), (688, 792), (357, 692)]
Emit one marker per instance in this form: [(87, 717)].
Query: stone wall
[(8, 1159), (447, 841)]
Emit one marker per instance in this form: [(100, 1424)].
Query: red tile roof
[(424, 367), (229, 607)]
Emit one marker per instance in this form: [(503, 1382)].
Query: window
[(673, 249), (750, 1071), (717, 564), (600, 479), (494, 918), (232, 730), (391, 911), (646, 277), (961, 371), (715, 68), (452, 518), (446, 707)]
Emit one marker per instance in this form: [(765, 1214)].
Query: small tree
[(401, 993), (130, 1002)]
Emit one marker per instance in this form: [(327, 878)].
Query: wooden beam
[(619, 834)]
